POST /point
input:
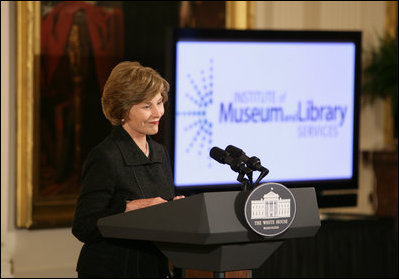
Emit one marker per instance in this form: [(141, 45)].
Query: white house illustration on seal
[(271, 206)]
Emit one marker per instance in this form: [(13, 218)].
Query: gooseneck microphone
[(235, 164), (252, 162), (241, 163), (224, 157)]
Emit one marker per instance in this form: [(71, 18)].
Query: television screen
[(290, 98)]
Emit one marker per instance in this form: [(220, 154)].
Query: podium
[(207, 231)]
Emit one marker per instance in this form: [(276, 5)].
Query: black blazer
[(115, 171)]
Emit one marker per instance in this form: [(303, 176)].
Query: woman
[(127, 171)]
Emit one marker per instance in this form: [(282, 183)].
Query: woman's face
[(144, 117)]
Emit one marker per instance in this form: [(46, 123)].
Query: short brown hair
[(129, 84)]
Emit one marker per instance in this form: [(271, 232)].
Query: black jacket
[(115, 171)]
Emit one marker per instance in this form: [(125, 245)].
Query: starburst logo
[(200, 94)]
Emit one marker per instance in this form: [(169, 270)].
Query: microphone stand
[(246, 183), (264, 172)]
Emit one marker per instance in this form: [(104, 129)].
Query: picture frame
[(27, 70), (59, 114)]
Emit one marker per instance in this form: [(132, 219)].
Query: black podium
[(207, 232)]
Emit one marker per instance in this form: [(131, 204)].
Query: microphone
[(253, 162), (224, 157)]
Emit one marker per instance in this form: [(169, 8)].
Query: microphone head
[(254, 163), (234, 151), (218, 154), (224, 157)]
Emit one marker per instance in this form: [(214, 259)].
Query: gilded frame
[(33, 209), (28, 52), (240, 14), (56, 105)]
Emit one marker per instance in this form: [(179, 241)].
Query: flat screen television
[(290, 98)]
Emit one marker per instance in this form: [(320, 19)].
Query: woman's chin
[(153, 131)]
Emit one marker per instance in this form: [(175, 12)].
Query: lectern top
[(206, 218)]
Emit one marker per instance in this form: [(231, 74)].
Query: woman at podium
[(127, 171)]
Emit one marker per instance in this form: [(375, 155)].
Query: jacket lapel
[(131, 153)]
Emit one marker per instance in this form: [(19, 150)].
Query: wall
[(53, 253), (365, 16)]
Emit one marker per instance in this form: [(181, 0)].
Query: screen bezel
[(320, 186)]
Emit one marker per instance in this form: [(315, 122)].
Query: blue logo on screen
[(201, 96)]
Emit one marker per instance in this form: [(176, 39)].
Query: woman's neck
[(139, 139)]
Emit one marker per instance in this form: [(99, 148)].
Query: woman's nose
[(158, 111)]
